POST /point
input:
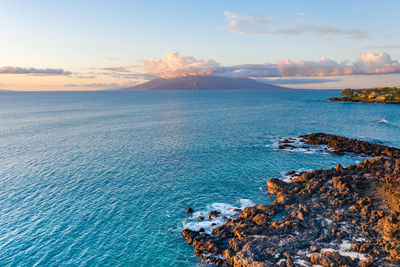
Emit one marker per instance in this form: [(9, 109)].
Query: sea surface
[(104, 178)]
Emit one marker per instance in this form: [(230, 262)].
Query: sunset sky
[(92, 45)]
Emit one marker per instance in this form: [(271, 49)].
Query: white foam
[(360, 239), (383, 121), (299, 146), (281, 260), (245, 203), (227, 210), (344, 250), (346, 245), (288, 178), (302, 263)]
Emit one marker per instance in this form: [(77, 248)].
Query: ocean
[(105, 178)]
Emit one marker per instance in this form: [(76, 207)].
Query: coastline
[(382, 95), (339, 216), (347, 99)]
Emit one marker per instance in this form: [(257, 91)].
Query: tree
[(347, 92)]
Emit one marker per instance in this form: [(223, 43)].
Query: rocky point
[(343, 216)]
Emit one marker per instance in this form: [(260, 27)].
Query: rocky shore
[(343, 216), (340, 145)]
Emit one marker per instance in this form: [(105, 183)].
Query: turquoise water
[(104, 178)]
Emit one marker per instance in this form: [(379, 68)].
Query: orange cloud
[(111, 58), (173, 65)]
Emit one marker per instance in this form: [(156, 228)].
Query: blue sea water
[(104, 178)]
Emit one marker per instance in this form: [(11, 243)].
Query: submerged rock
[(213, 214), (189, 210)]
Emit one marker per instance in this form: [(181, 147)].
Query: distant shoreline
[(384, 95)]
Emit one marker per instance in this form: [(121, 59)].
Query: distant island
[(205, 83), (385, 95)]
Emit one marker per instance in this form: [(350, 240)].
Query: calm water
[(104, 178)]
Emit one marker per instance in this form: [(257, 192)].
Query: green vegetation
[(389, 95)]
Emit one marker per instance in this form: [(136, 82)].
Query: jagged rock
[(332, 259), (357, 205)]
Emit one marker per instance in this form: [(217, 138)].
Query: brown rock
[(189, 210), (275, 185)]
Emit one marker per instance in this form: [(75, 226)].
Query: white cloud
[(244, 23), (369, 63), (250, 24)]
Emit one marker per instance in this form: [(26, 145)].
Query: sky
[(97, 45)]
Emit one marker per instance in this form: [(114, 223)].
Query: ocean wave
[(227, 211), (287, 176)]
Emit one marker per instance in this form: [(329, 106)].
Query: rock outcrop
[(343, 216), (340, 145)]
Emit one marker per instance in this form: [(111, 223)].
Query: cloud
[(383, 47), (301, 17), (250, 24), (173, 65), (369, 63), (324, 67), (128, 75), (124, 72), (244, 23), (111, 58), (86, 76), (254, 70), (33, 71), (120, 68), (95, 85), (103, 85), (135, 75), (302, 81)]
